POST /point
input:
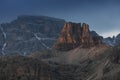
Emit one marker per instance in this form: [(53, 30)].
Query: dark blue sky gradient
[(102, 15)]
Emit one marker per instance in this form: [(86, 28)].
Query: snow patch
[(4, 45), (40, 39)]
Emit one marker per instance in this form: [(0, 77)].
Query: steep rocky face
[(28, 34), (86, 39), (74, 35)]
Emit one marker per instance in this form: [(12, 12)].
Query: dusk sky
[(103, 16)]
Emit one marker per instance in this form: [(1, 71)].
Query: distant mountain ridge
[(113, 41), (29, 34)]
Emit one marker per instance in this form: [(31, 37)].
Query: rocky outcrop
[(74, 35)]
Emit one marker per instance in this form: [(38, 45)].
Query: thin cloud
[(110, 33)]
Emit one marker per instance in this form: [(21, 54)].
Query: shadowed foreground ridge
[(74, 35), (103, 67)]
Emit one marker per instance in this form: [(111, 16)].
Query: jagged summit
[(76, 34)]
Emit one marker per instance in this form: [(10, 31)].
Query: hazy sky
[(103, 16)]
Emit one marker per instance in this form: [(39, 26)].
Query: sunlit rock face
[(74, 35), (28, 34)]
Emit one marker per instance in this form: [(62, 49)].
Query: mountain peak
[(74, 35)]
